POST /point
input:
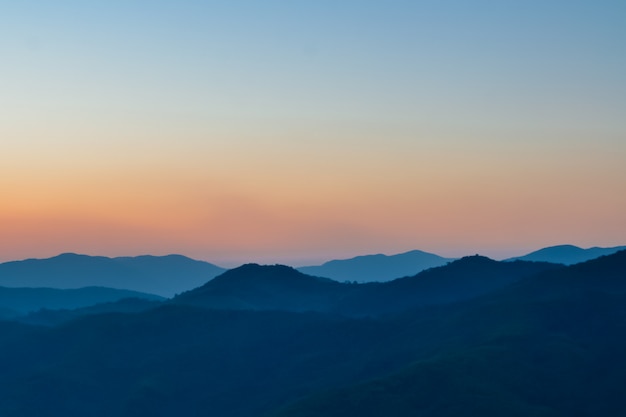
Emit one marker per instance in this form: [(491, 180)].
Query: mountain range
[(161, 275), (567, 254), (378, 267), (531, 339), (169, 275), (548, 345), (279, 287)]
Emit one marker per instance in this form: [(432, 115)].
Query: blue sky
[(305, 113)]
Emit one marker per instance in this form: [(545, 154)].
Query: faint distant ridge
[(567, 254), (24, 300), (161, 275), (370, 268)]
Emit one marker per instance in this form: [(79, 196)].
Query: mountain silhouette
[(161, 275), (527, 349), (546, 344), (370, 268), (459, 280), (266, 287), (567, 254), (279, 287)]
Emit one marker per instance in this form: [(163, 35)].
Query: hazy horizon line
[(298, 262)]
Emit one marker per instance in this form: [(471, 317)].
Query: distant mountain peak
[(72, 255), (256, 272), (377, 267), (567, 254), (560, 248), (67, 255), (254, 267), (257, 287), (162, 275), (475, 259)]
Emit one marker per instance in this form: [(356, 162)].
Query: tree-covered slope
[(550, 344)]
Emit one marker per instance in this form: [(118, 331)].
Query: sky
[(301, 131)]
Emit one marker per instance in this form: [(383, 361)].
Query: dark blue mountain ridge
[(567, 254), (161, 275), (379, 267), (540, 339), (279, 287), (507, 352), (606, 273), (459, 280), (266, 287)]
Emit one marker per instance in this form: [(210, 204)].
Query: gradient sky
[(301, 131)]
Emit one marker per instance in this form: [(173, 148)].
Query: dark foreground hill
[(266, 287), (161, 275), (460, 280), (551, 345), (548, 344), (376, 268)]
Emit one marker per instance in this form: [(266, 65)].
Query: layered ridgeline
[(549, 345), (278, 287), (567, 254), (548, 341), (380, 268), (369, 268), (174, 274), (267, 287), (161, 275), (282, 288), (15, 302)]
